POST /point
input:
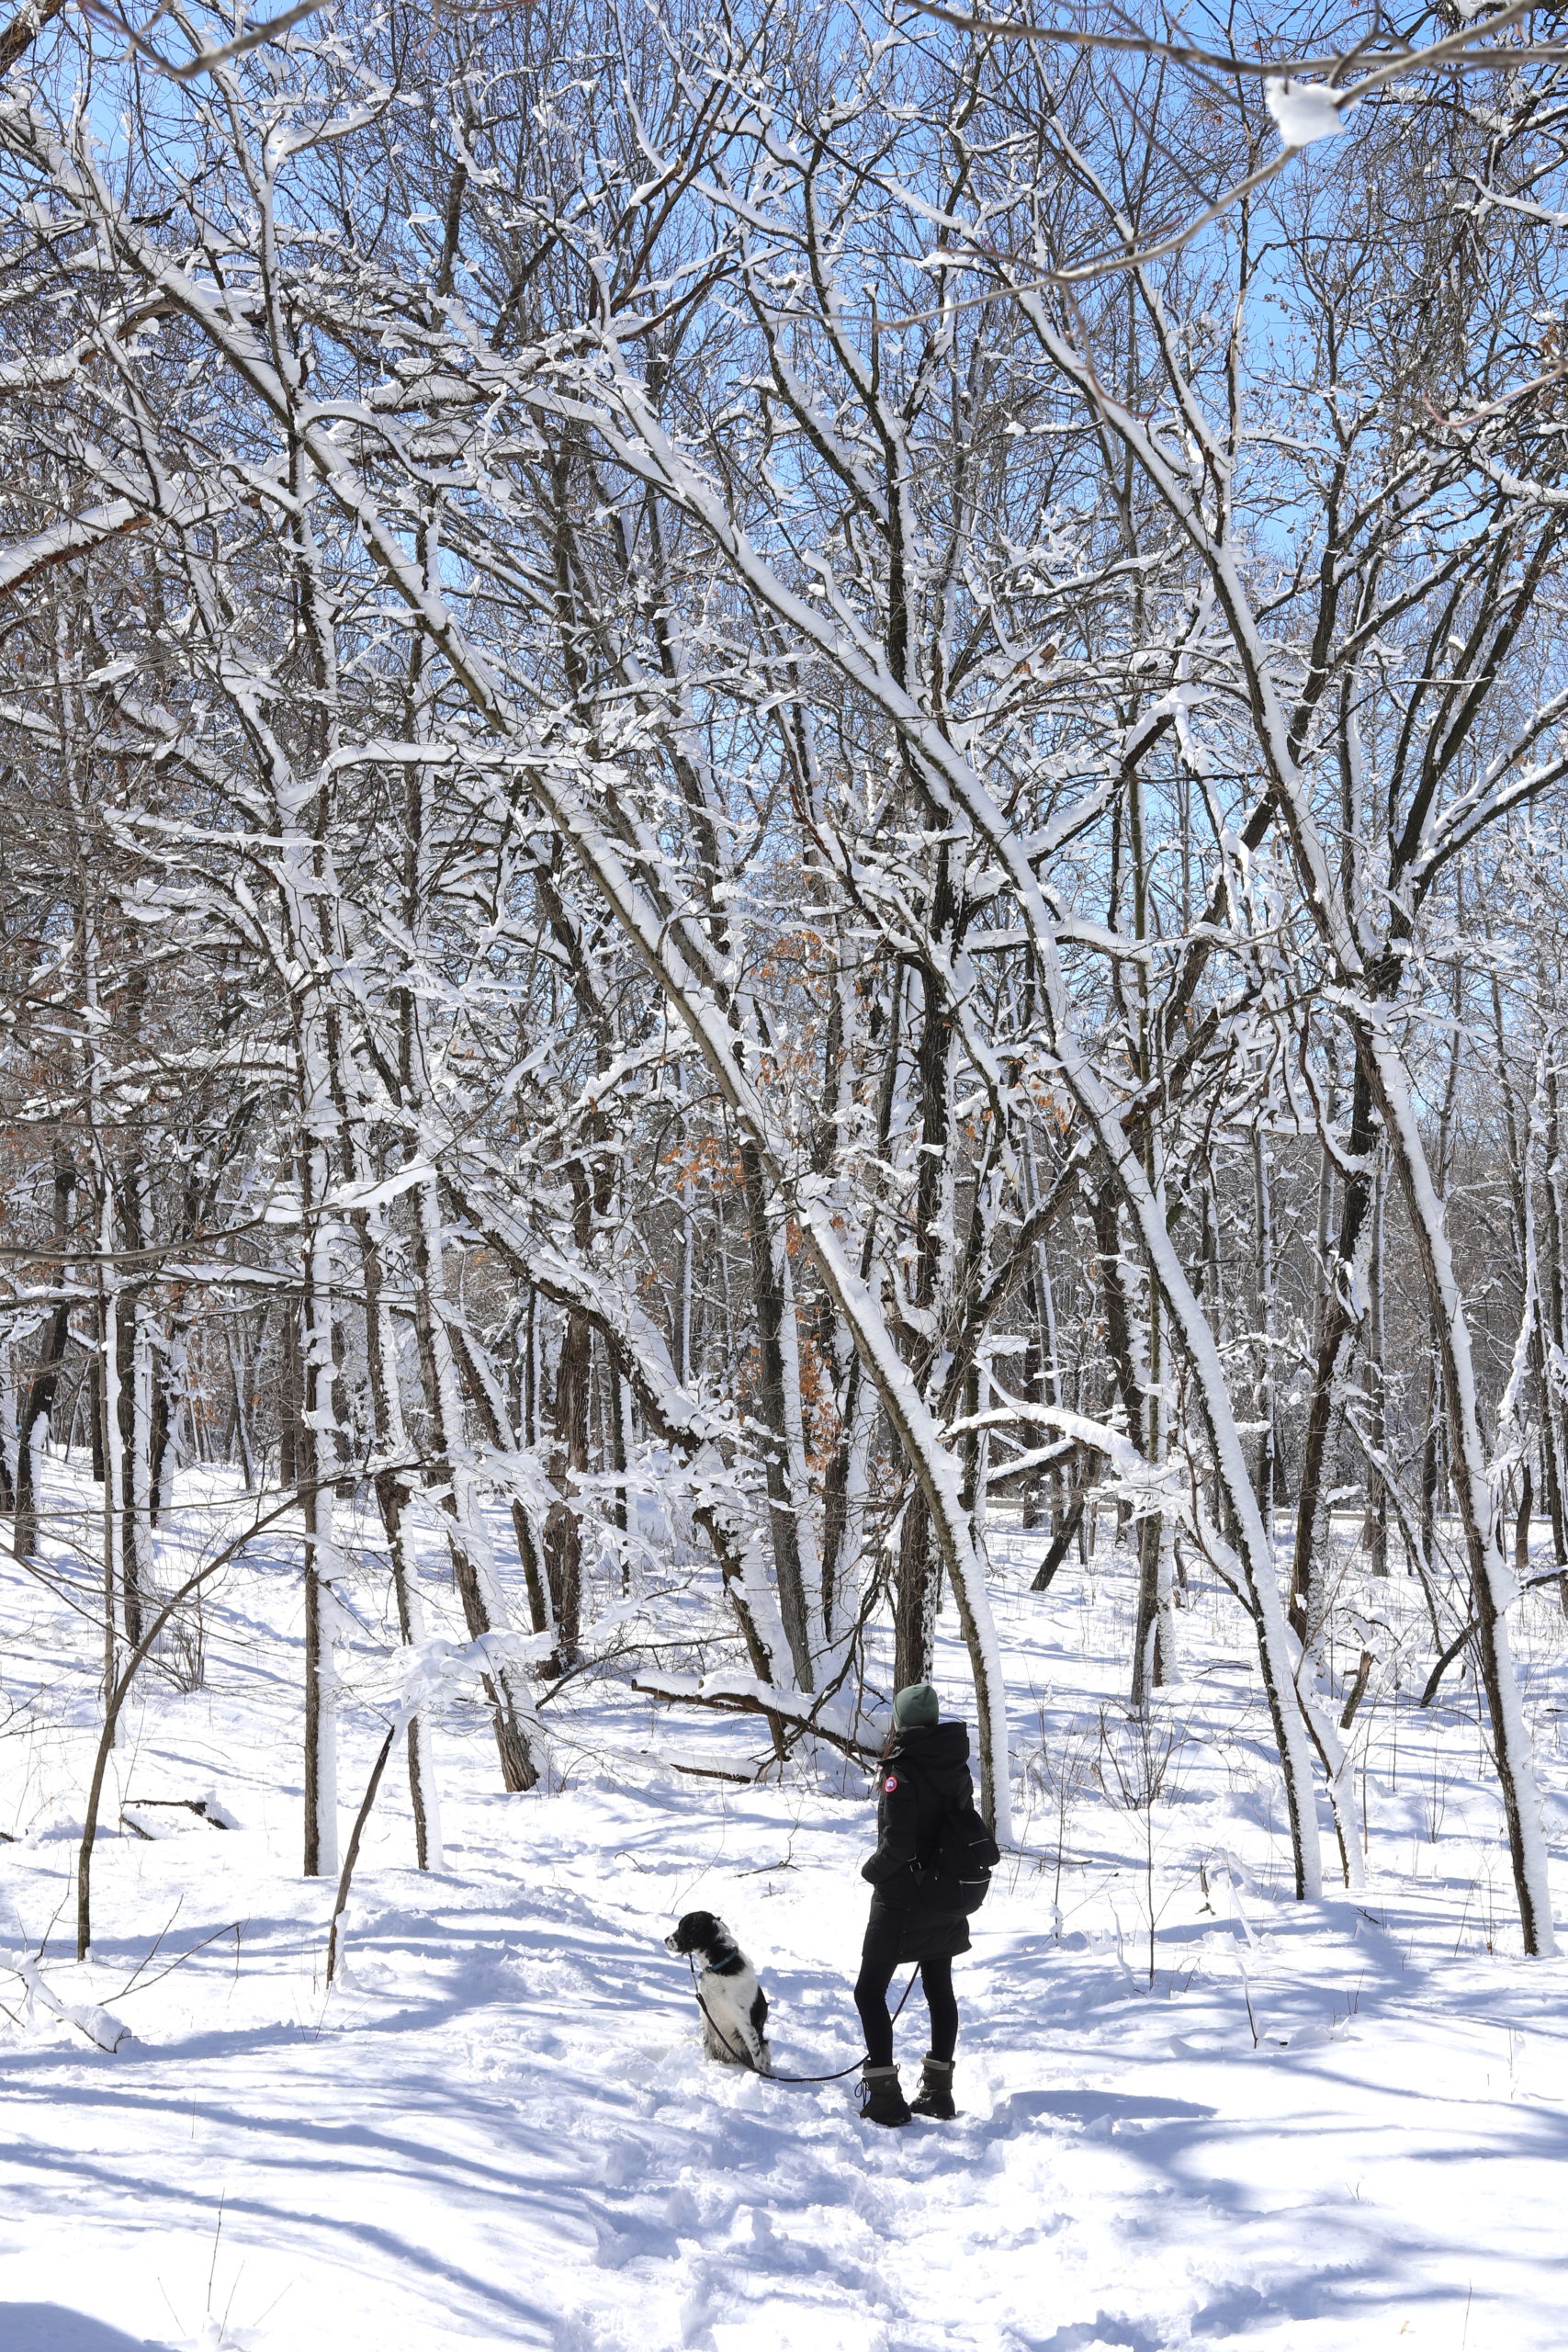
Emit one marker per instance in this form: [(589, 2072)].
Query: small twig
[(217, 2233), (151, 1956), (1140, 44), (205, 59), (233, 1929)]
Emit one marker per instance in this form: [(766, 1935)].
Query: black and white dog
[(735, 2008)]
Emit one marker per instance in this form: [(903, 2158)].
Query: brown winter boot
[(935, 2096), (881, 2100)]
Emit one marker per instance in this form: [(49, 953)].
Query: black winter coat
[(924, 1780)]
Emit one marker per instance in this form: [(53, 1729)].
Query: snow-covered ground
[(1324, 2127)]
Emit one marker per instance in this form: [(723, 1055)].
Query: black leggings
[(879, 1959)]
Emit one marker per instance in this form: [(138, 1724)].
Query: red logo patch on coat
[(891, 1782)]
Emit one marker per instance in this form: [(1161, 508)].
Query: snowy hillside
[(1319, 2130)]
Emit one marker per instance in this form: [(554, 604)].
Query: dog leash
[(744, 2057)]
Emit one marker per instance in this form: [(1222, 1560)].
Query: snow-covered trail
[(499, 2129), (502, 2133)]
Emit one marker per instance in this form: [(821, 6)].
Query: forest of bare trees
[(753, 813)]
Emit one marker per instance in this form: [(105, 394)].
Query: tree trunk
[(569, 1461), (392, 1500), (1491, 1585), (1346, 1287), (785, 1505), (483, 1610), (320, 1701), (37, 1408), (914, 1597)]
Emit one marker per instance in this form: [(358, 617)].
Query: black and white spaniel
[(735, 2008)]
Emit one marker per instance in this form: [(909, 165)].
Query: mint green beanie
[(916, 1708)]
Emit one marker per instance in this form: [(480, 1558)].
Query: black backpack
[(966, 1854)]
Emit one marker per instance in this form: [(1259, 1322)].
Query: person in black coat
[(923, 1782)]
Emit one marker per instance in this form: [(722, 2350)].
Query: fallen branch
[(103, 2032), (763, 1699)]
